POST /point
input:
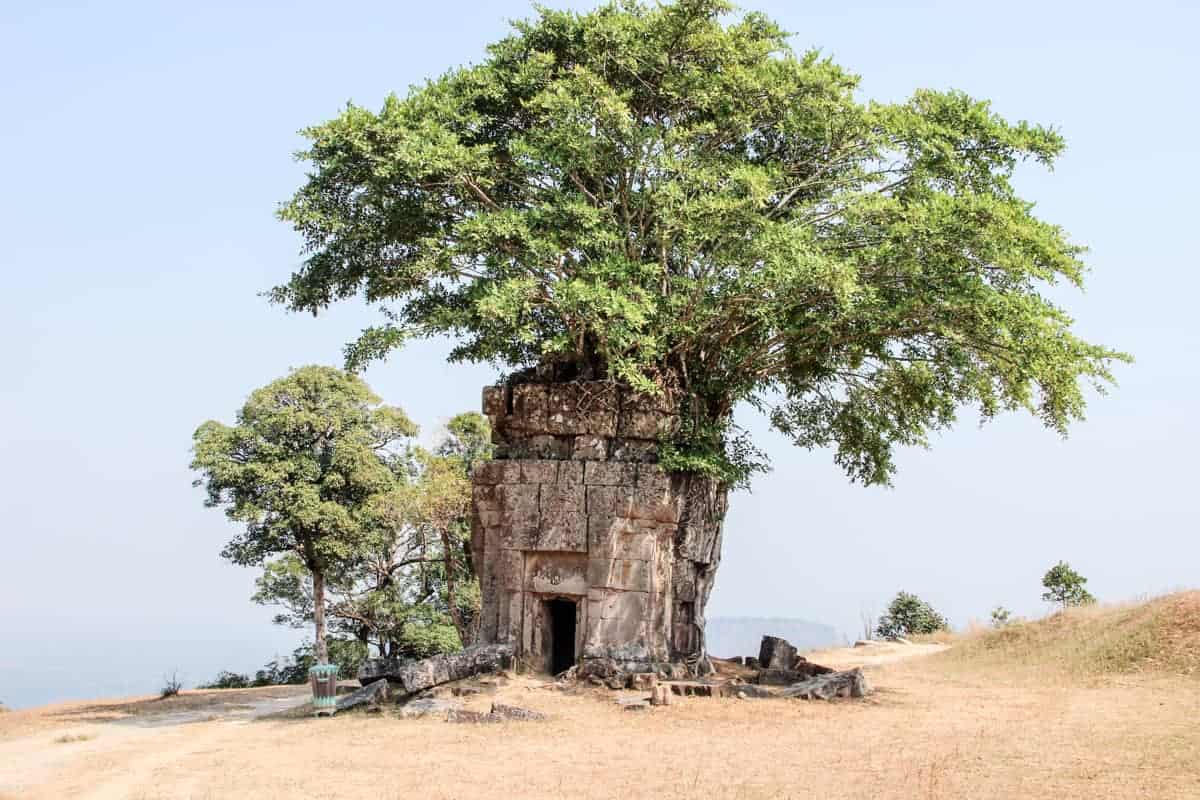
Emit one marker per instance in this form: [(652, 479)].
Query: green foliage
[(1065, 586), (1001, 616), (228, 680), (303, 467), (348, 654), (909, 615), (394, 594), (667, 195), (307, 470), (468, 438)]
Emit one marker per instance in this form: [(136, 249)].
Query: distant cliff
[(740, 636)]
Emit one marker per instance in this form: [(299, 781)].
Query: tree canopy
[(669, 196), (1065, 586)]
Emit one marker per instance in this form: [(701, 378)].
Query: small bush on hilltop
[(171, 685), (1065, 586), (909, 615)]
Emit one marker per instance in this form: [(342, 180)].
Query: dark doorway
[(562, 635)]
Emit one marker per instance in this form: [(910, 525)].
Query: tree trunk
[(320, 646), (460, 625)]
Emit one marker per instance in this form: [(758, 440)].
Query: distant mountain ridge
[(740, 636)]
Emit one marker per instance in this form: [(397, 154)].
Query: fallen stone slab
[(498, 713), (786, 677), (633, 703), (410, 677), (429, 707), (370, 695), (749, 691), (851, 683)]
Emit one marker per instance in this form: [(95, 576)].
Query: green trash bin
[(324, 688)]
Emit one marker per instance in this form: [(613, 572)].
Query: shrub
[(227, 680), (1000, 616), (908, 615), (171, 685), (1065, 586)]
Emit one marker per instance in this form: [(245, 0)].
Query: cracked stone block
[(633, 576), (554, 497), (562, 530), (610, 501), (590, 448), (538, 471)]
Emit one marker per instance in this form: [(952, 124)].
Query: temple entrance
[(560, 615)]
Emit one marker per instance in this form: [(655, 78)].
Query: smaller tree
[(1001, 616), (305, 469), (1065, 587), (908, 615)]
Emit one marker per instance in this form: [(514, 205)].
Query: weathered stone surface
[(661, 695), (575, 477), (748, 691), (503, 712), (372, 694), (627, 575), (590, 448), (776, 653), (609, 473), (644, 681), (557, 574), (429, 706), (410, 677), (851, 683), (562, 531)]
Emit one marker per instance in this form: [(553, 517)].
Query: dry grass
[(1158, 637), (938, 726)]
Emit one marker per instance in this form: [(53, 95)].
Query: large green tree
[(667, 195), (308, 469), (410, 591)]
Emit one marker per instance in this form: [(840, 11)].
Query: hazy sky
[(147, 145)]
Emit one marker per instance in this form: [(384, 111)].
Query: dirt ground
[(928, 731)]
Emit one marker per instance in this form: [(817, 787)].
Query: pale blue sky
[(146, 147)]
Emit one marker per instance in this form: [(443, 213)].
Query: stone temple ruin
[(588, 552)]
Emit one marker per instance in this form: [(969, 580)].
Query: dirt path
[(925, 733)]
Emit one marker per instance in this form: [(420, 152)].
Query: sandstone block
[(538, 471), (491, 473), (589, 448), (562, 531), (609, 473), (570, 472), (634, 450), (529, 402), (494, 401), (559, 497), (609, 501), (776, 653), (557, 574), (627, 575)]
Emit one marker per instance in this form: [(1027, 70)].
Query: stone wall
[(574, 508)]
